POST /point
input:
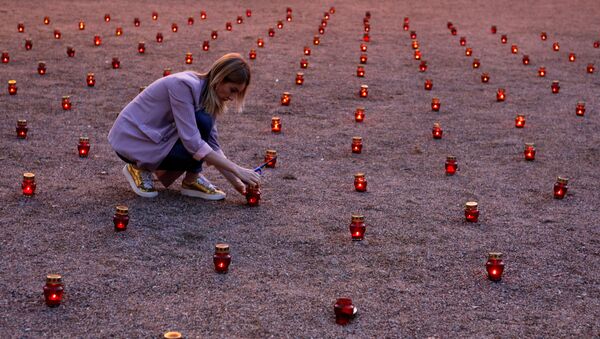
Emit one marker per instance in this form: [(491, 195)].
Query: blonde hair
[(231, 68)]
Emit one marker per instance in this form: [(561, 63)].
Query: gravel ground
[(420, 270)]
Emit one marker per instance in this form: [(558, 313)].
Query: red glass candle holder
[(428, 84), (542, 72), (271, 32), (357, 145), (205, 45), (316, 40), (367, 27), (543, 36), (53, 290), (514, 49), (5, 57), (453, 31), (366, 37), (520, 121), (435, 104), (159, 37), (326, 15), (288, 18), (580, 109), (449, 24), (214, 35), (303, 63), (154, 15), (70, 51), (22, 129), (364, 91), (28, 185), (253, 195), (118, 31), (83, 148), (66, 103), (286, 98), (406, 20), (357, 227), (406, 27), (476, 63), (189, 58), (97, 40), (288, 10), (28, 44), (451, 165), (417, 54), (248, 13), (174, 27), (121, 218), (299, 78), (468, 51), (571, 57), (415, 44), (57, 34), (556, 47), (560, 187), (41, 68), (239, 20), (221, 258), (363, 59), (260, 42), (332, 10), (116, 63), (279, 24), (136, 22), (190, 21), (413, 35), (228, 26), (485, 78), (359, 114), (471, 211), (437, 131), (493, 29), (141, 47), (90, 79), (276, 124), (344, 311), (107, 17), (203, 15), (306, 50), (529, 151), (360, 182), (525, 59), (590, 68), (503, 39), (494, 266), (500, 95), (12, 87), (166, 72), (252, 54), (20, 27), (271, 158), (555, 87), (46, 20), (360, 71), (423, 66), (462, 41)]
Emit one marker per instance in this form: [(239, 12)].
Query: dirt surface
[(420, 270)]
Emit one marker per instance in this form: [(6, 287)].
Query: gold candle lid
[(42, 63), (90, 74), (173, 335), (271, 152), (555, 82), (356, 139), (494, 255), (529, 145), (123, 210), (221, 248), (437, 124), (562, 180), (451, 157), (364, 86), (520, 116), (358, 218), (435, 100), (275, 118), (300, 74), (84, 139), (287, 94), (501, 90), (141, 43), (359, 175), (12, 82), (188, 54), (66, 97), (21, 122), (360, 108), (580, 103), (28, 176), (471, 205), (54, 279)]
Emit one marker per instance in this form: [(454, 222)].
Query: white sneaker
[(202, 188), (140, 181)]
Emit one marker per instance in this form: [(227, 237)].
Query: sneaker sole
[(135, 189), (198, 194)]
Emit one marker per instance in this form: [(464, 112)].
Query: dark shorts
[(179, 159)]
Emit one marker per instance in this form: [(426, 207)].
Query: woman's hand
[(247, 176)]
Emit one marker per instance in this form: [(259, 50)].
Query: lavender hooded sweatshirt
[(149, 126)]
